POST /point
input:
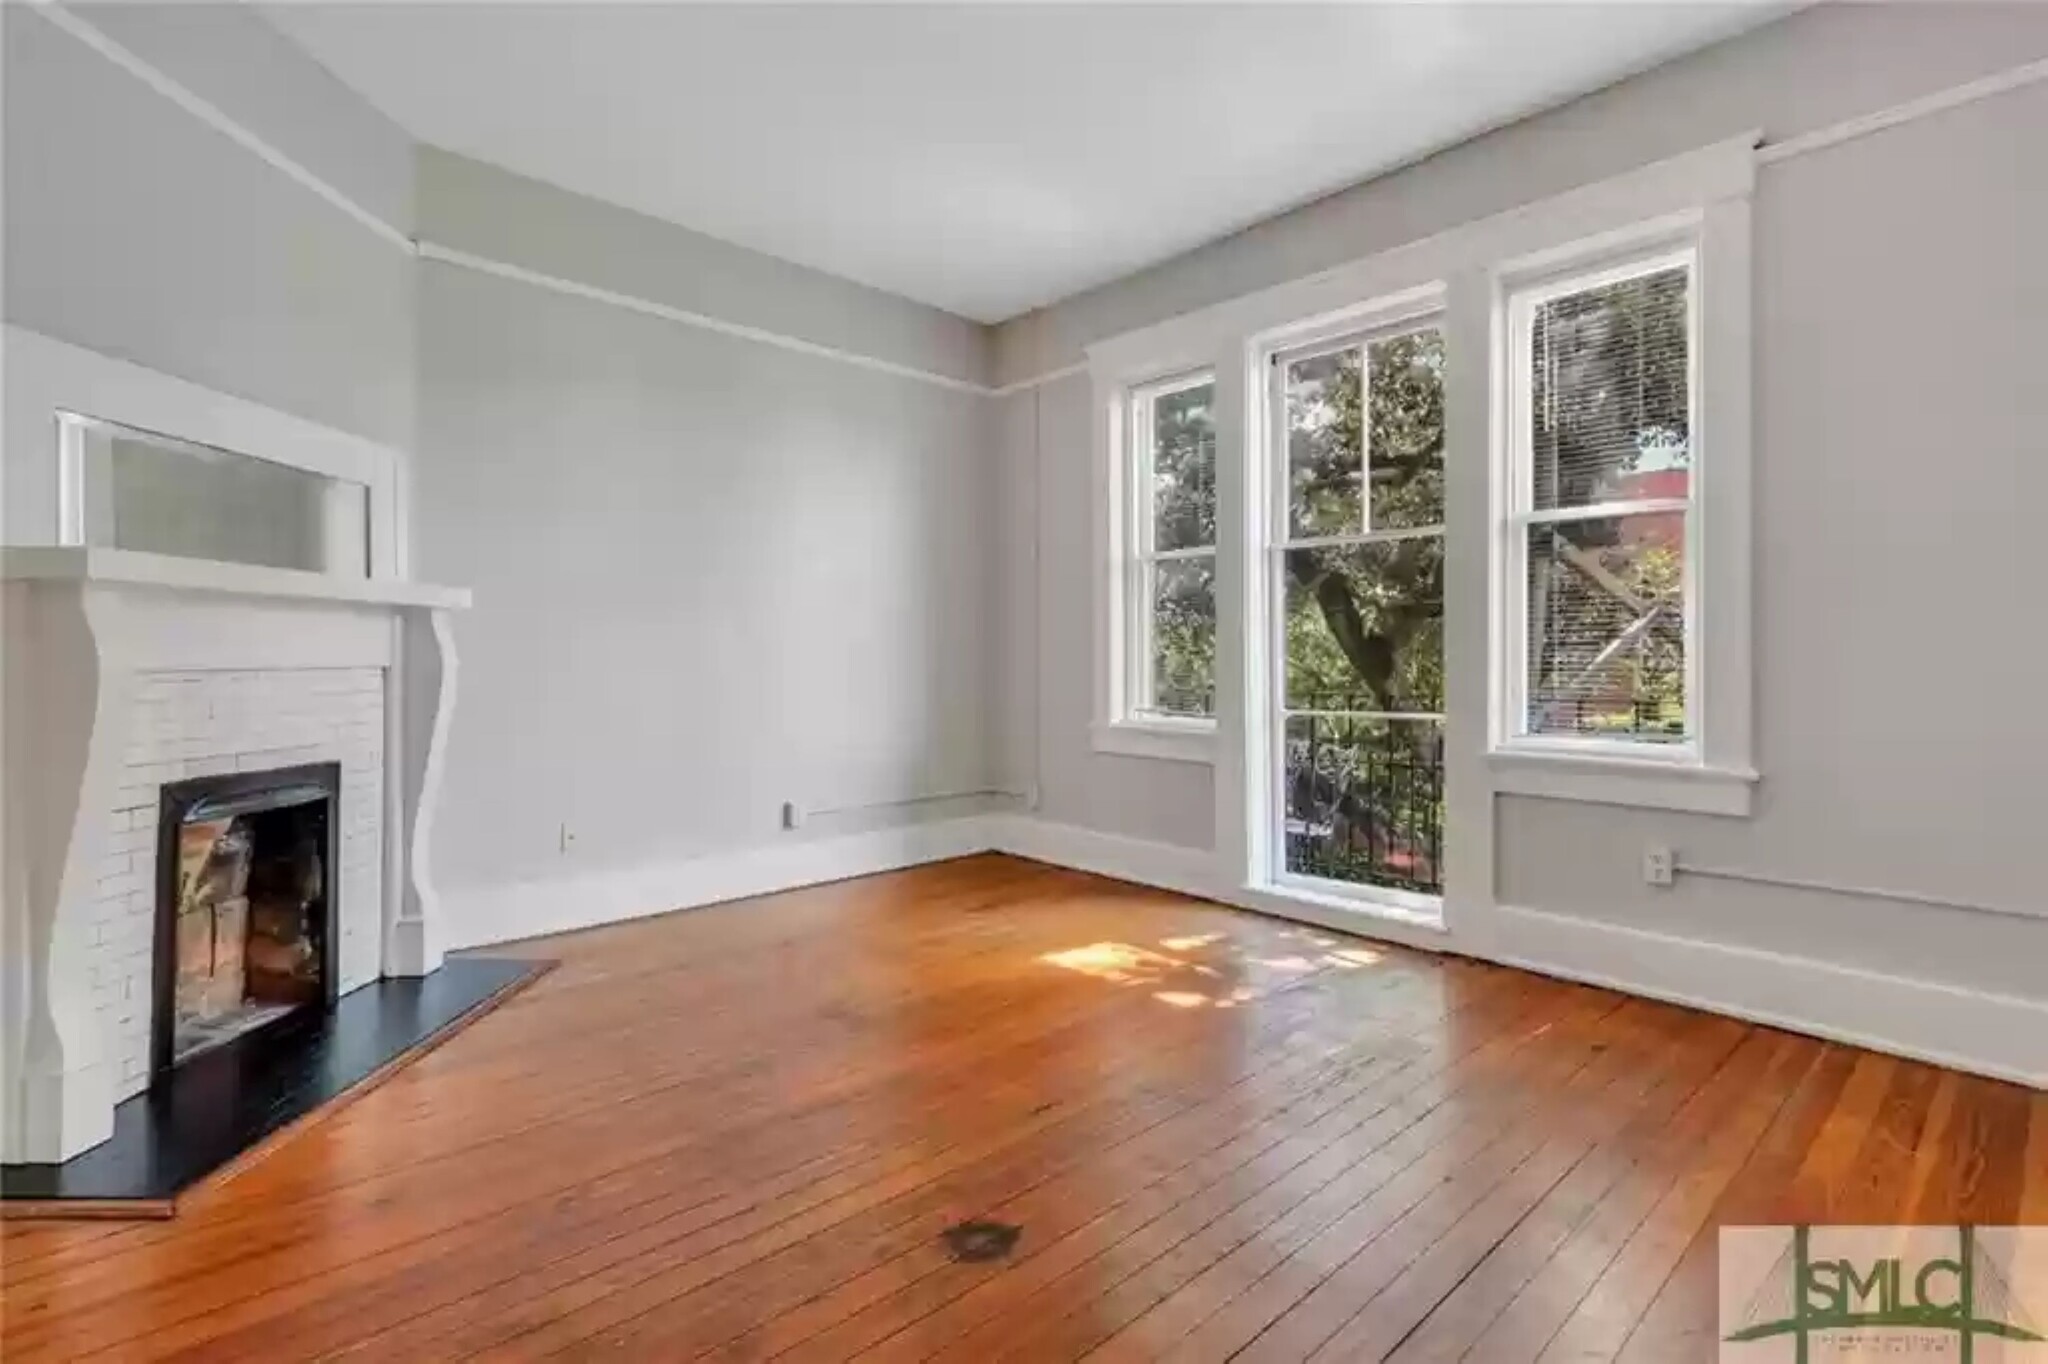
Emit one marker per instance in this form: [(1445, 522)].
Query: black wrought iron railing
[(1365, 799)]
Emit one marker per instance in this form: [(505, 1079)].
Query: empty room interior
[(966, 681)]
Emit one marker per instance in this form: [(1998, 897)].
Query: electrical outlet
[(1031, 796), (792, 815), (565, 840), (1660, 866)]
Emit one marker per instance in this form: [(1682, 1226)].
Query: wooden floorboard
[(738, 1133)]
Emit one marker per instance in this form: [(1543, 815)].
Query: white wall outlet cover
[(792, 815), (1660, 866)]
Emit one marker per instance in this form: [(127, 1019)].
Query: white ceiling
[(984, 158)]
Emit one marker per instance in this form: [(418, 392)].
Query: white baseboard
[(1187, 870), (481, 915), (2001, 1036), (1987, 1034), (1996, 1035)]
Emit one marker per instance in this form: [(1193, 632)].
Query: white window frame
[(1402, 318), (1522, 299), (1126, 722), (1710, 771), (1705, 192)]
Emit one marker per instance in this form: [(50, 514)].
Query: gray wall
[(712, 575), (491, 212), (1901, 291), (134, 229)]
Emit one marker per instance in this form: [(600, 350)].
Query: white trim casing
[(45, 377), (67, 18), (1987, 1034), (1180, 741), (2002, 1036), (1610, 780), (484, 265), (1765, 154), (479, 915), (1117, 727), (1263, 595), (1714, 772)]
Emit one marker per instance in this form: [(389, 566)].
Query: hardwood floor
[(738, 1133)]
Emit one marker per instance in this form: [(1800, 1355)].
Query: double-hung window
[(1600, 527), (1610, 429), (1165, 542)]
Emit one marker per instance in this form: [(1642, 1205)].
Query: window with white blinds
[(1603, 452)]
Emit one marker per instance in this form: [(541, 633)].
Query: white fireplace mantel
[(87, 631), (133, 569)]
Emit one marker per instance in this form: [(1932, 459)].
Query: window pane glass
[(1365, 627), (1183, 640), (1610, 411), (1365, 801), (148, 492), (1607, 627), (1184, 467), (1405, 452), (1325, 459)]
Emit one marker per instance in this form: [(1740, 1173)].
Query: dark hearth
[(229, 1099), (245, 908)]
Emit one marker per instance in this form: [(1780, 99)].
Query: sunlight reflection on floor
[(1229, 978)]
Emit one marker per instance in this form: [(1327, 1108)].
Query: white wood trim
[(1192, 742), (1941, 101), (67, 682), (45, 377), (1469, 848), (1715, 773), (416, 917), (1964, 1029), (1605, 780), (468, 260), (68, 18), (133, 568), (477, 915), (1986, 1034), (1051, 376), (1677, 185), (1121, 542), (1720, 537), (1765, 154)]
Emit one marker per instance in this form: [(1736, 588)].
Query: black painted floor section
[(219, 1105)]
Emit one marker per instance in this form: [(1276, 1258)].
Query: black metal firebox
[(246, 901)]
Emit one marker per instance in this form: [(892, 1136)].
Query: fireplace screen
[(245, 906)]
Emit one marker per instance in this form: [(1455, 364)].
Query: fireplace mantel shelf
[(132, 568)]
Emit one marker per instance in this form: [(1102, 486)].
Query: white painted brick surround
[(203, 724)]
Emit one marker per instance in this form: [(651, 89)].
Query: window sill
[(1607, 779), (1370, 912), (1184, 742)]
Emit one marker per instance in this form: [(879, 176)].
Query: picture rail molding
[(67, 18)]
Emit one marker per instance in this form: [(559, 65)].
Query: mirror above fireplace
[(126, 488)]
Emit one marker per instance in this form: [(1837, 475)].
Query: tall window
[(1170, 570), (1357, 574), (1601, 457)]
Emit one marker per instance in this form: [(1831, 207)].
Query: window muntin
[(1356, 563), (1170, 572), (1600, 645)]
